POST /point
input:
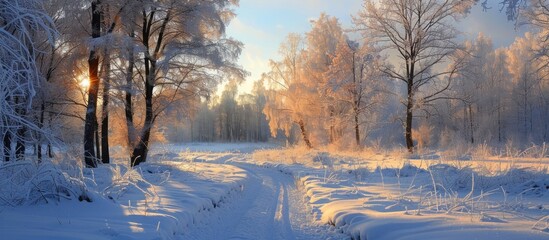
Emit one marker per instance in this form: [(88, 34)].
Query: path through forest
[(270, 207)]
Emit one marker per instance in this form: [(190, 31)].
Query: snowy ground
[(380, 196), (258, 191)]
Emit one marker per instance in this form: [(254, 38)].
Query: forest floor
[(259, 191)]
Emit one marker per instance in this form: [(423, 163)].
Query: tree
[(184, 51), (522, 67), (55, 59), (354, 80), (321, 46), (421, 34), (90, 125), (20, 22), (287, 101), (100, 31)]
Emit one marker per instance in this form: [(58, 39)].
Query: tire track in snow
[(268, 208)]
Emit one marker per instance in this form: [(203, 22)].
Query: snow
[(166, 202), (367, 200), (261, 191)]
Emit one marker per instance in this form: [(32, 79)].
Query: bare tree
[(354, 80), (421, 35), (185, 53)]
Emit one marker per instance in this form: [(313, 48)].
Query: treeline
[(230, 117), (409, 81)]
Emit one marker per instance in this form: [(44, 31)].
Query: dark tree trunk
[(304, 134), (357, 127), (97, 142), (20, 134), (40, 125), (50, 151), (49, 147), (7, 146), (128, 108), (20, 147), (105, 68), (471, 124), (409, 118), (139, 154), (105, 155), (93, 64)]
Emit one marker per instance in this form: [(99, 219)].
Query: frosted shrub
[(129, 180), (25, 182), (482, 151), (324, 159)]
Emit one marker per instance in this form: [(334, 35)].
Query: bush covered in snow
[(27, 182)]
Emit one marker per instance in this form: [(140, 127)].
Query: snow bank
[(154, 201), (27, 183), (368, 198)]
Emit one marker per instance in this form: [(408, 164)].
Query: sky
[(263, 24)]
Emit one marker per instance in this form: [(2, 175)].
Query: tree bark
[(357, 128), (139, 154), (304, 134), (128, 107), (472, 126), (105, 154), (40, 125), (7, 146), (409, 118), (97, 142), (332, 126), (21, 132), (93, 64)]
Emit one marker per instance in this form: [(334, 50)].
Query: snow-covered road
[(270, 207)]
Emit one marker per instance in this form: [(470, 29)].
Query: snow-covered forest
[(136, 119)]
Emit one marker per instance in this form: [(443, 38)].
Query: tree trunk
[(409, 118), (139, 154), (357, 128), (471, 125), (499, 124), (332, 127), (7, 146), (40, 125), (304, 134), (97, 142), (20, 147), (105, 155), (91, 109), (21, 132), (50, 151), (129, 88)]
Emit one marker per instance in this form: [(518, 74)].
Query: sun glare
[(84, 82)]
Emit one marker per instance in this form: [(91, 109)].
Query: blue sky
[(263, 24)]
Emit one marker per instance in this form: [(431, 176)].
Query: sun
[(83, 82)]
